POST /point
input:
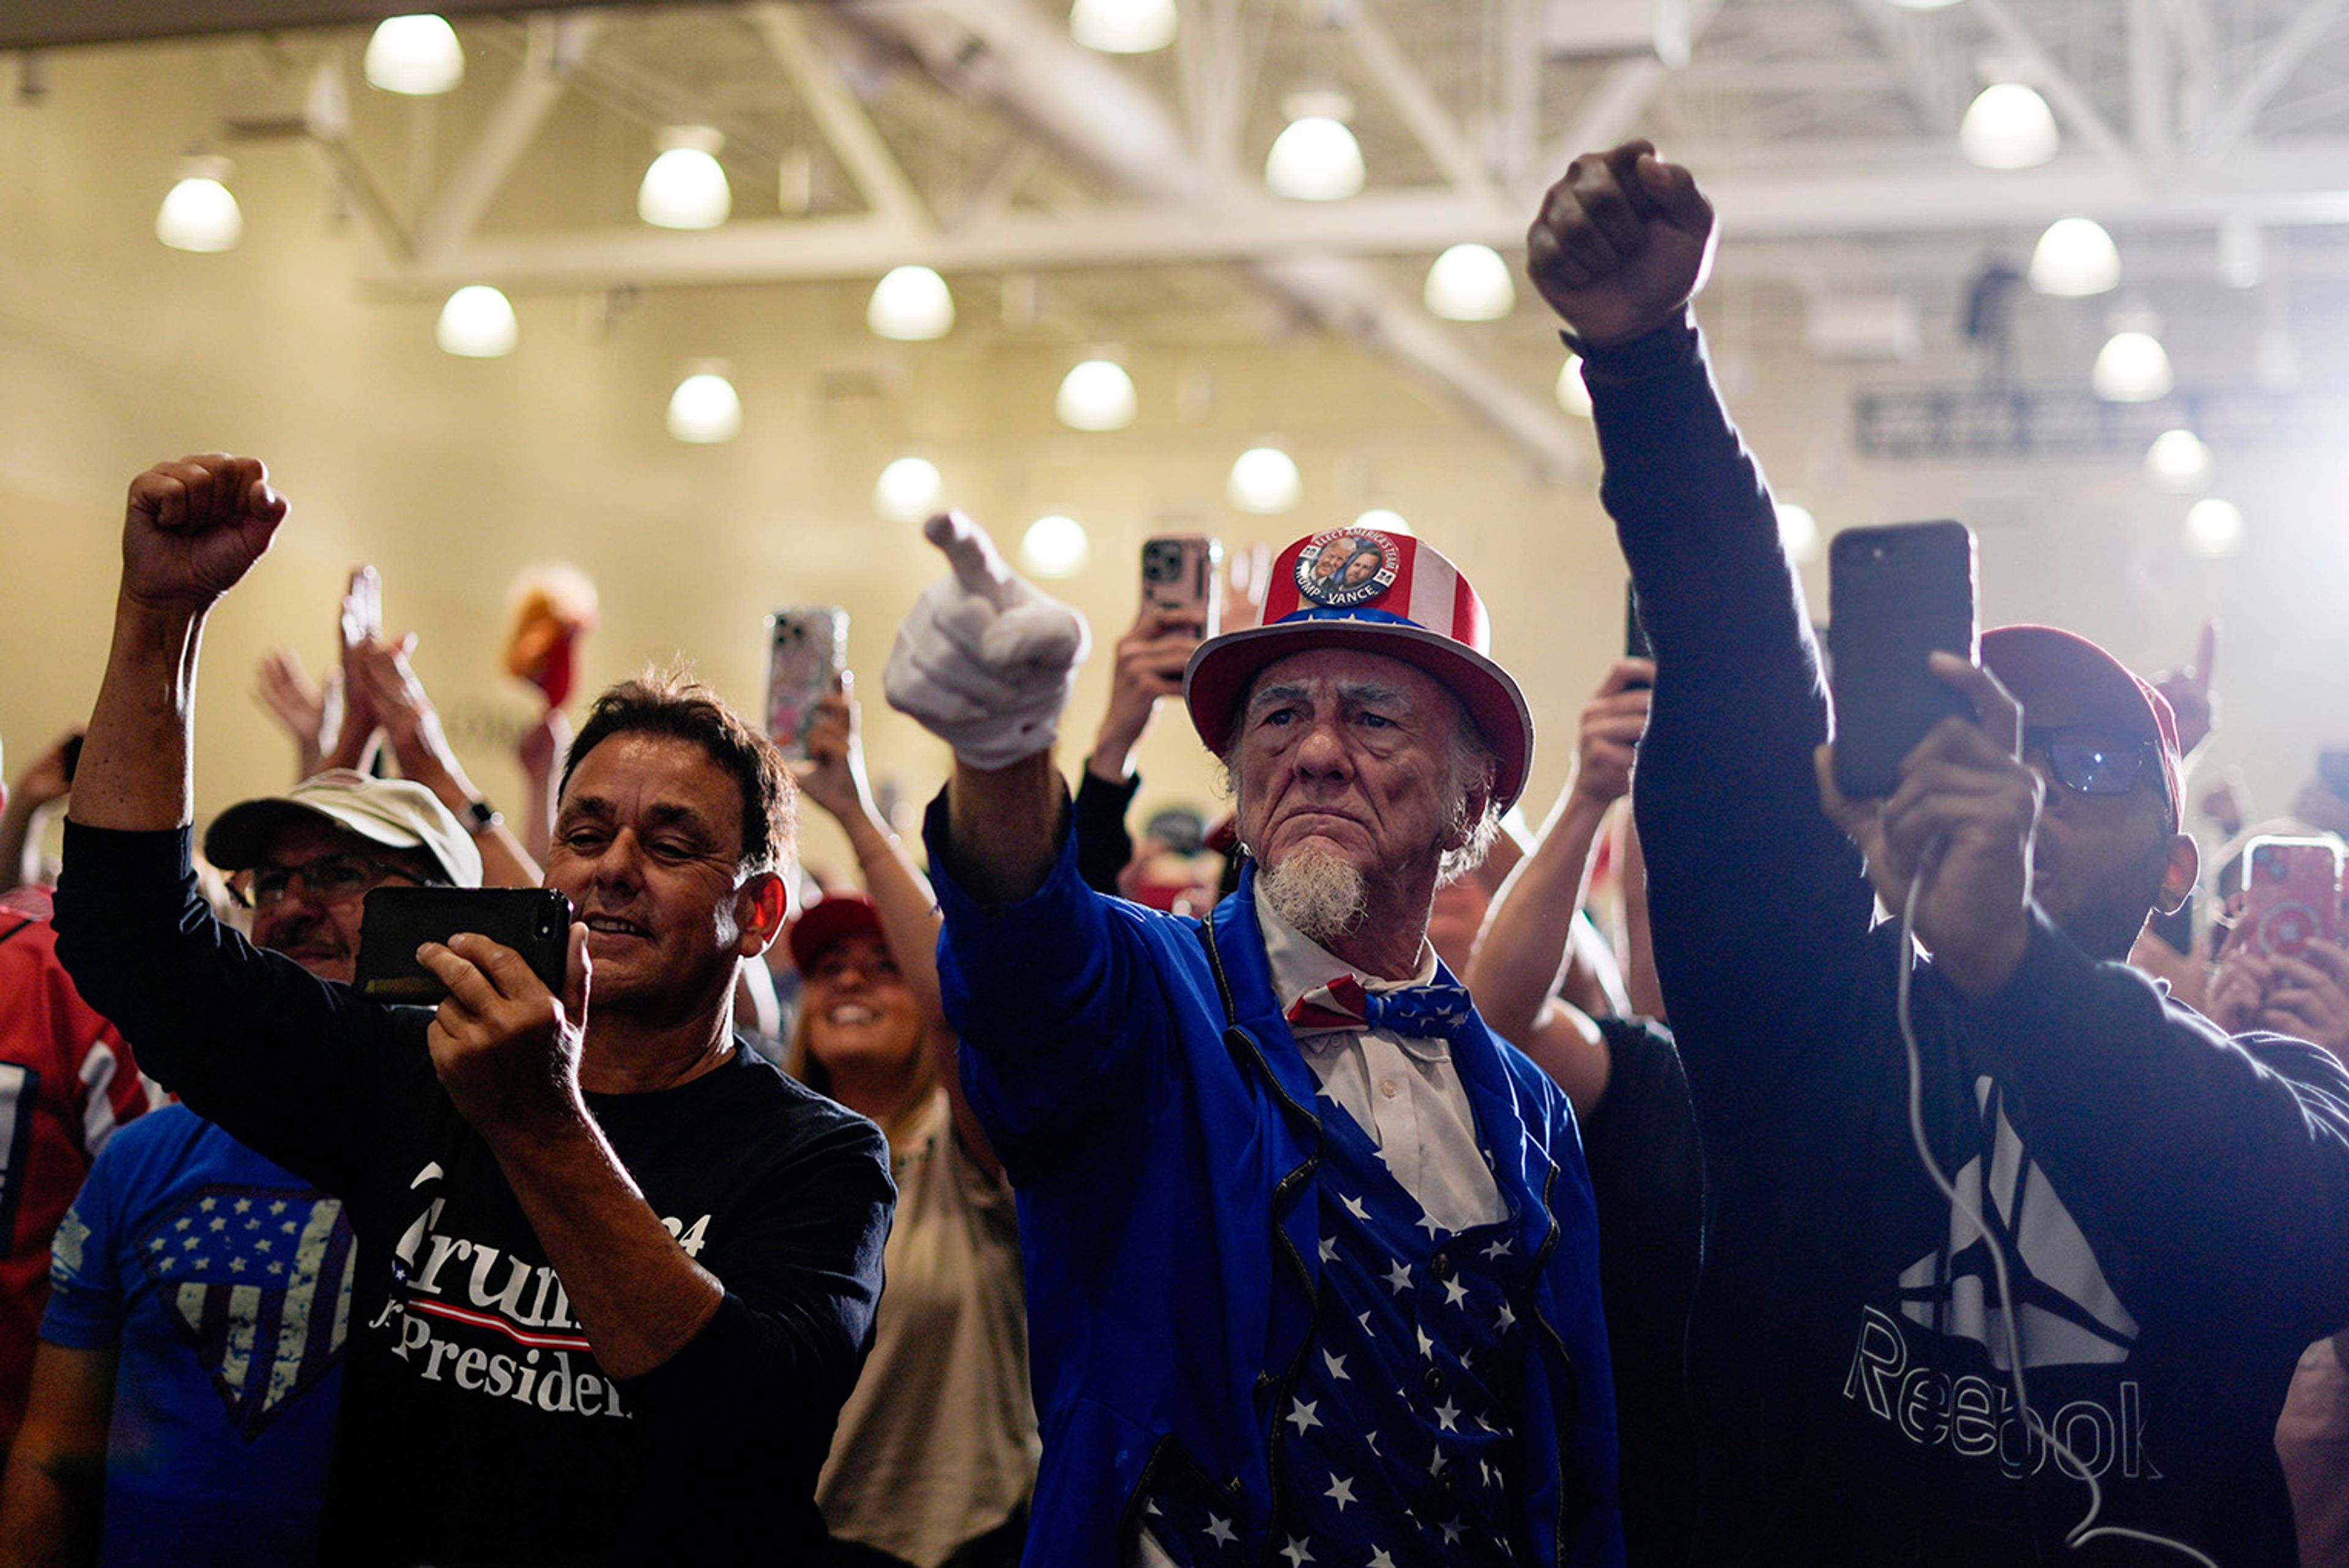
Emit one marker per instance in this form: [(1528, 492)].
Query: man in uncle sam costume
[(1311, 1262)]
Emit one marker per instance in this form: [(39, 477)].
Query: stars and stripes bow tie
[(1417, 1011)]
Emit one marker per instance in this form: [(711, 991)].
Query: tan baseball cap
[(394, 812)]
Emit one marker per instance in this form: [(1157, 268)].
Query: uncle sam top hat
[(1374, 592)]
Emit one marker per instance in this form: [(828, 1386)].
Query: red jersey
[(67, 1082)]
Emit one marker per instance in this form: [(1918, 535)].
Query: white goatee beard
[(1319, 892)]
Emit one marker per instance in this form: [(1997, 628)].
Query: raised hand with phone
[(1882, 1115), (1148, 669), (1182, 597)]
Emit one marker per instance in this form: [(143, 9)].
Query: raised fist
[(1622, 243), (194, 528)]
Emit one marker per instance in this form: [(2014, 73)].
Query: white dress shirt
[(1406, 1093)]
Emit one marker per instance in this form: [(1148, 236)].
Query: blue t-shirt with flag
[(225, 1282)]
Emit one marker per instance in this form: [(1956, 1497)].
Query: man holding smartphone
[(2148, 1218), (1310, 1253), (614, 1274), (209, 1410)]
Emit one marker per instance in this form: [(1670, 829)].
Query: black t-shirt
[(476, 1425), (1647, 1179)]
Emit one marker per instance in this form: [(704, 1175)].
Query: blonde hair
[(801, 1062)]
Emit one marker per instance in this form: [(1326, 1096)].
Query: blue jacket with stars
[(1164, 1165)]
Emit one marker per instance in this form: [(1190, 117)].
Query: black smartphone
[(1635, 631), (1895, 594), (534, 922)]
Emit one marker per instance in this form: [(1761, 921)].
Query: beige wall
[(449, 474)]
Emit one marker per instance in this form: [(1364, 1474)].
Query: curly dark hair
[(671, 701)]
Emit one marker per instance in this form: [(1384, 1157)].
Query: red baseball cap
[(1374, 592), (832, 918), (2028, 659)]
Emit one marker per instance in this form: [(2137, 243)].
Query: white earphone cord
[(2088, 1530)]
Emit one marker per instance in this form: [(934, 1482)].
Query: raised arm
[(286, 1062), (191, 531), (1523, 952), (1150, 657), (26, 806), (985, 662), (834, 778), (411, 725), (352, 738), (1727, 806), (311, 713)]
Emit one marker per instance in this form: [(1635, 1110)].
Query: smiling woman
[(935, 1451)]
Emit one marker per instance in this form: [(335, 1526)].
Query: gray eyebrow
[(1265, 697), (1361, 693), (1371, 694)]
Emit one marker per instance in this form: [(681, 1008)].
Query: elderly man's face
[(310, 890), (1330, 556), (1349, 754)]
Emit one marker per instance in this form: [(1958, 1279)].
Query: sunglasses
[(2089, 760)]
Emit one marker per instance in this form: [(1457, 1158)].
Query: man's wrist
[(1656, 346), (549, 1129), (1111, 766)]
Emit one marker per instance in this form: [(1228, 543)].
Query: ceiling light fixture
[(705, 408), (685, 188), (477, 323), (1055, 546), (1470, 283), (2132, 367), (1383, 519), (2008, 126), (419, 56), (1263, 480), (2214, 528), (908, 490), (1315, 159), (1573, 392), (2178, 459), (1096, 395), (910, 305), (2073, 259), (199, 214), (1124, 26)]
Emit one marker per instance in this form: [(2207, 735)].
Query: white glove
[(984, 662)]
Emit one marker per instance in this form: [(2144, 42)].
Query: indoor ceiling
[(976, 137)]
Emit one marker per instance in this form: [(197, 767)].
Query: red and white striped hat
[(1379, 593)]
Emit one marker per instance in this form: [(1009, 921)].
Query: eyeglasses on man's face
[(332, 878)]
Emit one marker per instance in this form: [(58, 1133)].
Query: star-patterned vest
[(1396, 1445)]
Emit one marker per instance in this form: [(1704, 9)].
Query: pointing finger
[(977, 564)]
